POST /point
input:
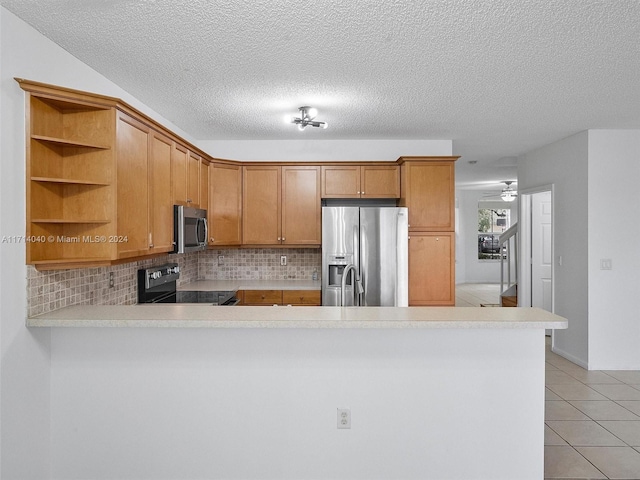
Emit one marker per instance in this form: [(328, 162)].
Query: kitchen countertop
[(234, 285), (205, 316)]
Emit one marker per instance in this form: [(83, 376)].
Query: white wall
[(564, 164), (25, 354), (325, 150), (614, 233), (262, 403)]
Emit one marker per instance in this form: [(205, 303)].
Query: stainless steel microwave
[(190, 229)]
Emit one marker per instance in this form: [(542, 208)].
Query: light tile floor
[(592, 418)]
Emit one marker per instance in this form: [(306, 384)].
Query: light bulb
[(324, 125), (312, 112), (301, 127)]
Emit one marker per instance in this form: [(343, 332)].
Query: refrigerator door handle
[(362, 267), (402, 259)]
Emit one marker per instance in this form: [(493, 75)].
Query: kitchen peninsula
[(253, 392)]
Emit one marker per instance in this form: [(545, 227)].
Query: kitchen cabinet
[(144, 203), (361, 181), (431, 269), (280, 297), (427, 189), (204, 186), (132, 152), (301, 297), (429, 192), (186, 177), (99, 179), (281, 205), (225, 204), (70, 172), (160, 199)]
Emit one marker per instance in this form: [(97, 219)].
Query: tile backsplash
[(55, 289), (259, 264)]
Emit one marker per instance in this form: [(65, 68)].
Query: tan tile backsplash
[(54, 289), (259, 264)]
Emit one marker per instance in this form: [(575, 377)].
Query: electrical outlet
[(605, 264), (220, 259), (344, 418), (283, 260), (111, 280)]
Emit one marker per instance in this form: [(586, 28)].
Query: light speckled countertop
[(205, 316), (233, 285)]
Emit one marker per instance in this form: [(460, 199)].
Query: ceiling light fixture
[(306, 118), (508, 194)]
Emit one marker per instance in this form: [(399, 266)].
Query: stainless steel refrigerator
[(370, 244)]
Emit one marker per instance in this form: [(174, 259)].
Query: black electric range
[(158, 285)]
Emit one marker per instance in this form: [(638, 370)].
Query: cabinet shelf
[(66, 221), (68, 143), (68, 181)]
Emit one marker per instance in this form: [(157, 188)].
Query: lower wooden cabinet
[(279, 297), (301, 297), (432, 269)]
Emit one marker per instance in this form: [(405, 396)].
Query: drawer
[(301, 297), (262, 297)]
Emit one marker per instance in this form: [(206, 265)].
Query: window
[(491, 223)]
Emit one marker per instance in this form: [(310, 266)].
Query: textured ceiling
[(498, 77)]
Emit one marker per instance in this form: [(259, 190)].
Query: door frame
[(525, 244)]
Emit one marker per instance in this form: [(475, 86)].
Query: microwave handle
[(203, 221)]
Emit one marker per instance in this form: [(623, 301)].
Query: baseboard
[(570, 357)]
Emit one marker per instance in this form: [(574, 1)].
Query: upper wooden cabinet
[(71, 182), (132, 147), (99, 179), (360, 181), (281, 205), (225, 204), (145, 206), (261, 205), (428, 190), (186, 177), (160, 199), (301, 206)]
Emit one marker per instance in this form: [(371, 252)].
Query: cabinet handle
[(283, 239), (151, 245), (278, 238), (362, 193), (189, 200), (211, 239)]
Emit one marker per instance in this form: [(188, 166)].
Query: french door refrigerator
[(371, 244)]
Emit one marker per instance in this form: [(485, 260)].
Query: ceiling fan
[(508, 193)]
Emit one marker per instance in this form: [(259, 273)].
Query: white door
[(541, 251)]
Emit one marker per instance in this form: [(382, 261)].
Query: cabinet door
[(431, 269), (301, 208), (180, 156), (132, 150), (341, 181), (262, 297), (380, 181), (301, 297), (430, 196), (160, 199), (225, 204), (193, 180), (204, 186), (261, 205)]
